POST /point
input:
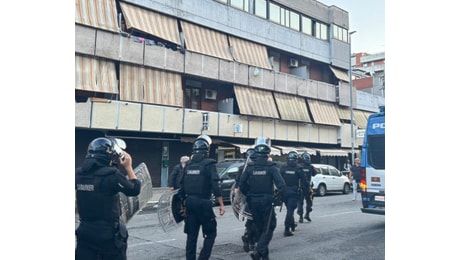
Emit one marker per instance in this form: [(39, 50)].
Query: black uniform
[(308, 170), (174, 178), (295, 180), (199, 180), (101, 233), (257, 185), (250, 231)]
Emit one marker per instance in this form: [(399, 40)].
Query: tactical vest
[(290, 176), (196, 180), (94, 201), (307, 170), (260, 178)]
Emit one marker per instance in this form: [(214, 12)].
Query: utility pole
[(351, 104)]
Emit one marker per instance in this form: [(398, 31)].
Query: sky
[(367, 18)]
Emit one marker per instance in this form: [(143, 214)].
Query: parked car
[(329, 179), (227, 171)]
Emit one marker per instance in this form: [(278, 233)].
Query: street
[(339, 230)]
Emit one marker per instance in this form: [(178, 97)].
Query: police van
[(373, 165)]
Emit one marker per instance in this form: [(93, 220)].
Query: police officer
[(257, 185), (199, 180), (101, 234), (295, 180), (250, 232), (308, 170)]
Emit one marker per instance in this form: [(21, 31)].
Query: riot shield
[(239, 205), (130, 206), (170, 210)]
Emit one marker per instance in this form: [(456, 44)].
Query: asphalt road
[(339, 230)]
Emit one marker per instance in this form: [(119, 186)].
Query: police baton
[(269, 218)]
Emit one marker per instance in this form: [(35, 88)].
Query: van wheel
[(346, 188), (321, 190)]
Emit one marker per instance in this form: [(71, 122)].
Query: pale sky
[(367, 18)]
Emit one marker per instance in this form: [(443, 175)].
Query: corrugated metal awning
[(255, 102), (152, 86), (95, 75), (250, 53), (206, 41), (332, 152), (245, 147), (340, 74), (292, 107), (151, 22), (324, 112), (299, 149), (97, 13)]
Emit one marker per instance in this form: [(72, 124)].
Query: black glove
[(278, 198)]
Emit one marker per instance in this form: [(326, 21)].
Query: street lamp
[(350, 82)]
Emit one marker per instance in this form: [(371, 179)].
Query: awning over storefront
[(299, 149), (332, 152), (245, 147), (150, 22), (255, 102), (292, 107), (249, 53), (206, 41), (324, 112), (95, 75), (152, 86), (340, 74), (97, 13)]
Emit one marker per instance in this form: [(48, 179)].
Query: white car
[(329, 179)]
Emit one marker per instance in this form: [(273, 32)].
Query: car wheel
[(346, 188), (321, 190)]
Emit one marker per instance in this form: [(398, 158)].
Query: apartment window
[(192, 98), (294, 21), (320, 31), (261, 8), (307, 25), (274, 13), (340, 33), (284, 17), (240, 4)]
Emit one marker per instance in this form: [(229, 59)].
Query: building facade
[(159, 73), (369, 73)]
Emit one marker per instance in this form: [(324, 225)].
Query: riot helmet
[(262, 145), (201, 145), (106, 148), (292, 158), (305, 158)]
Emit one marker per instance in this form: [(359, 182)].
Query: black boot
[(307, 216), (255, 256), (294, 227), (287, 232), (245, 243), (300, 219)]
